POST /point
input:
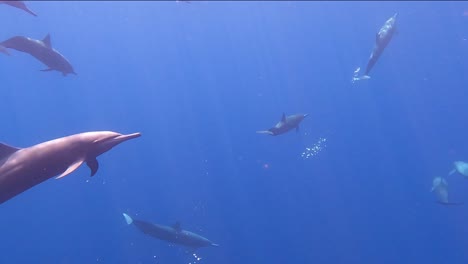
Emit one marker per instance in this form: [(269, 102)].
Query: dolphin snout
[(305, 115), (128, 136)]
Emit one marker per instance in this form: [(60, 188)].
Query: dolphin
[(41, 50), (460, 167), (174, 234), (19, 4), (23, 168), (440, 188), (382, 38), (287, 123)]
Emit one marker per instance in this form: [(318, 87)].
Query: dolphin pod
[(382, 38), (286, 124), (19, 4), (174, 234), (41, 50), (23, 168)]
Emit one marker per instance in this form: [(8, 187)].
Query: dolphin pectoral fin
[(4, 50), (452, 171), (214, 245), (93, 164), (265, 132), (45, 70), (71, 168)]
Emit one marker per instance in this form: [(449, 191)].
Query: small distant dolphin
[(287, 123), (440, 188), (41, 50), (460, 167), (174, 234), (23, 168), (382, 38), (19, 4)]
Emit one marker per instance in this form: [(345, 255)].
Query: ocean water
[(198, 80)]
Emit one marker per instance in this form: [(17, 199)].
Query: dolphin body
[(23, 168), (41, 50), (440, 188), (287, 123), (381, 41), (174, 234), (382, 38), (19, 4)]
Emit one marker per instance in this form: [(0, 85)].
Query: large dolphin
[(19, 4), (23, 168), (41, 50), (382, 38), (287, 123), (440, 188), (460, 167), (174, 234)]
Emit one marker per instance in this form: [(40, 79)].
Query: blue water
[(197, 80)]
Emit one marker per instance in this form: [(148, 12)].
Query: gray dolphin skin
[(23, 168), (287, 123), (41, 50), (174, 234), (381, 41), (19, 4)]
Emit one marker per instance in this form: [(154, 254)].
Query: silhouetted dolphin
[(174, 234), (382, 38), (287, 123), (440, 188), (23, 168), (19, 4), (41, 50), (460, 167)]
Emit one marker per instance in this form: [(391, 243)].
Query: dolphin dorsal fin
[(283, 118), (46, 41), (71, 168), (6, 150), (176, 226)]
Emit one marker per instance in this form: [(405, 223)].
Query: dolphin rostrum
[(382, 38), (174, 234), (440, 188), (18, 4), (287, 123), (23, 168), (41, 50)]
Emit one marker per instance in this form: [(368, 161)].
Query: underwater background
[(197, 80)]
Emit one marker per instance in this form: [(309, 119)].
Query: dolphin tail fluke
[(128, 219), (265, 132), (356, 76), (452, 171)]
